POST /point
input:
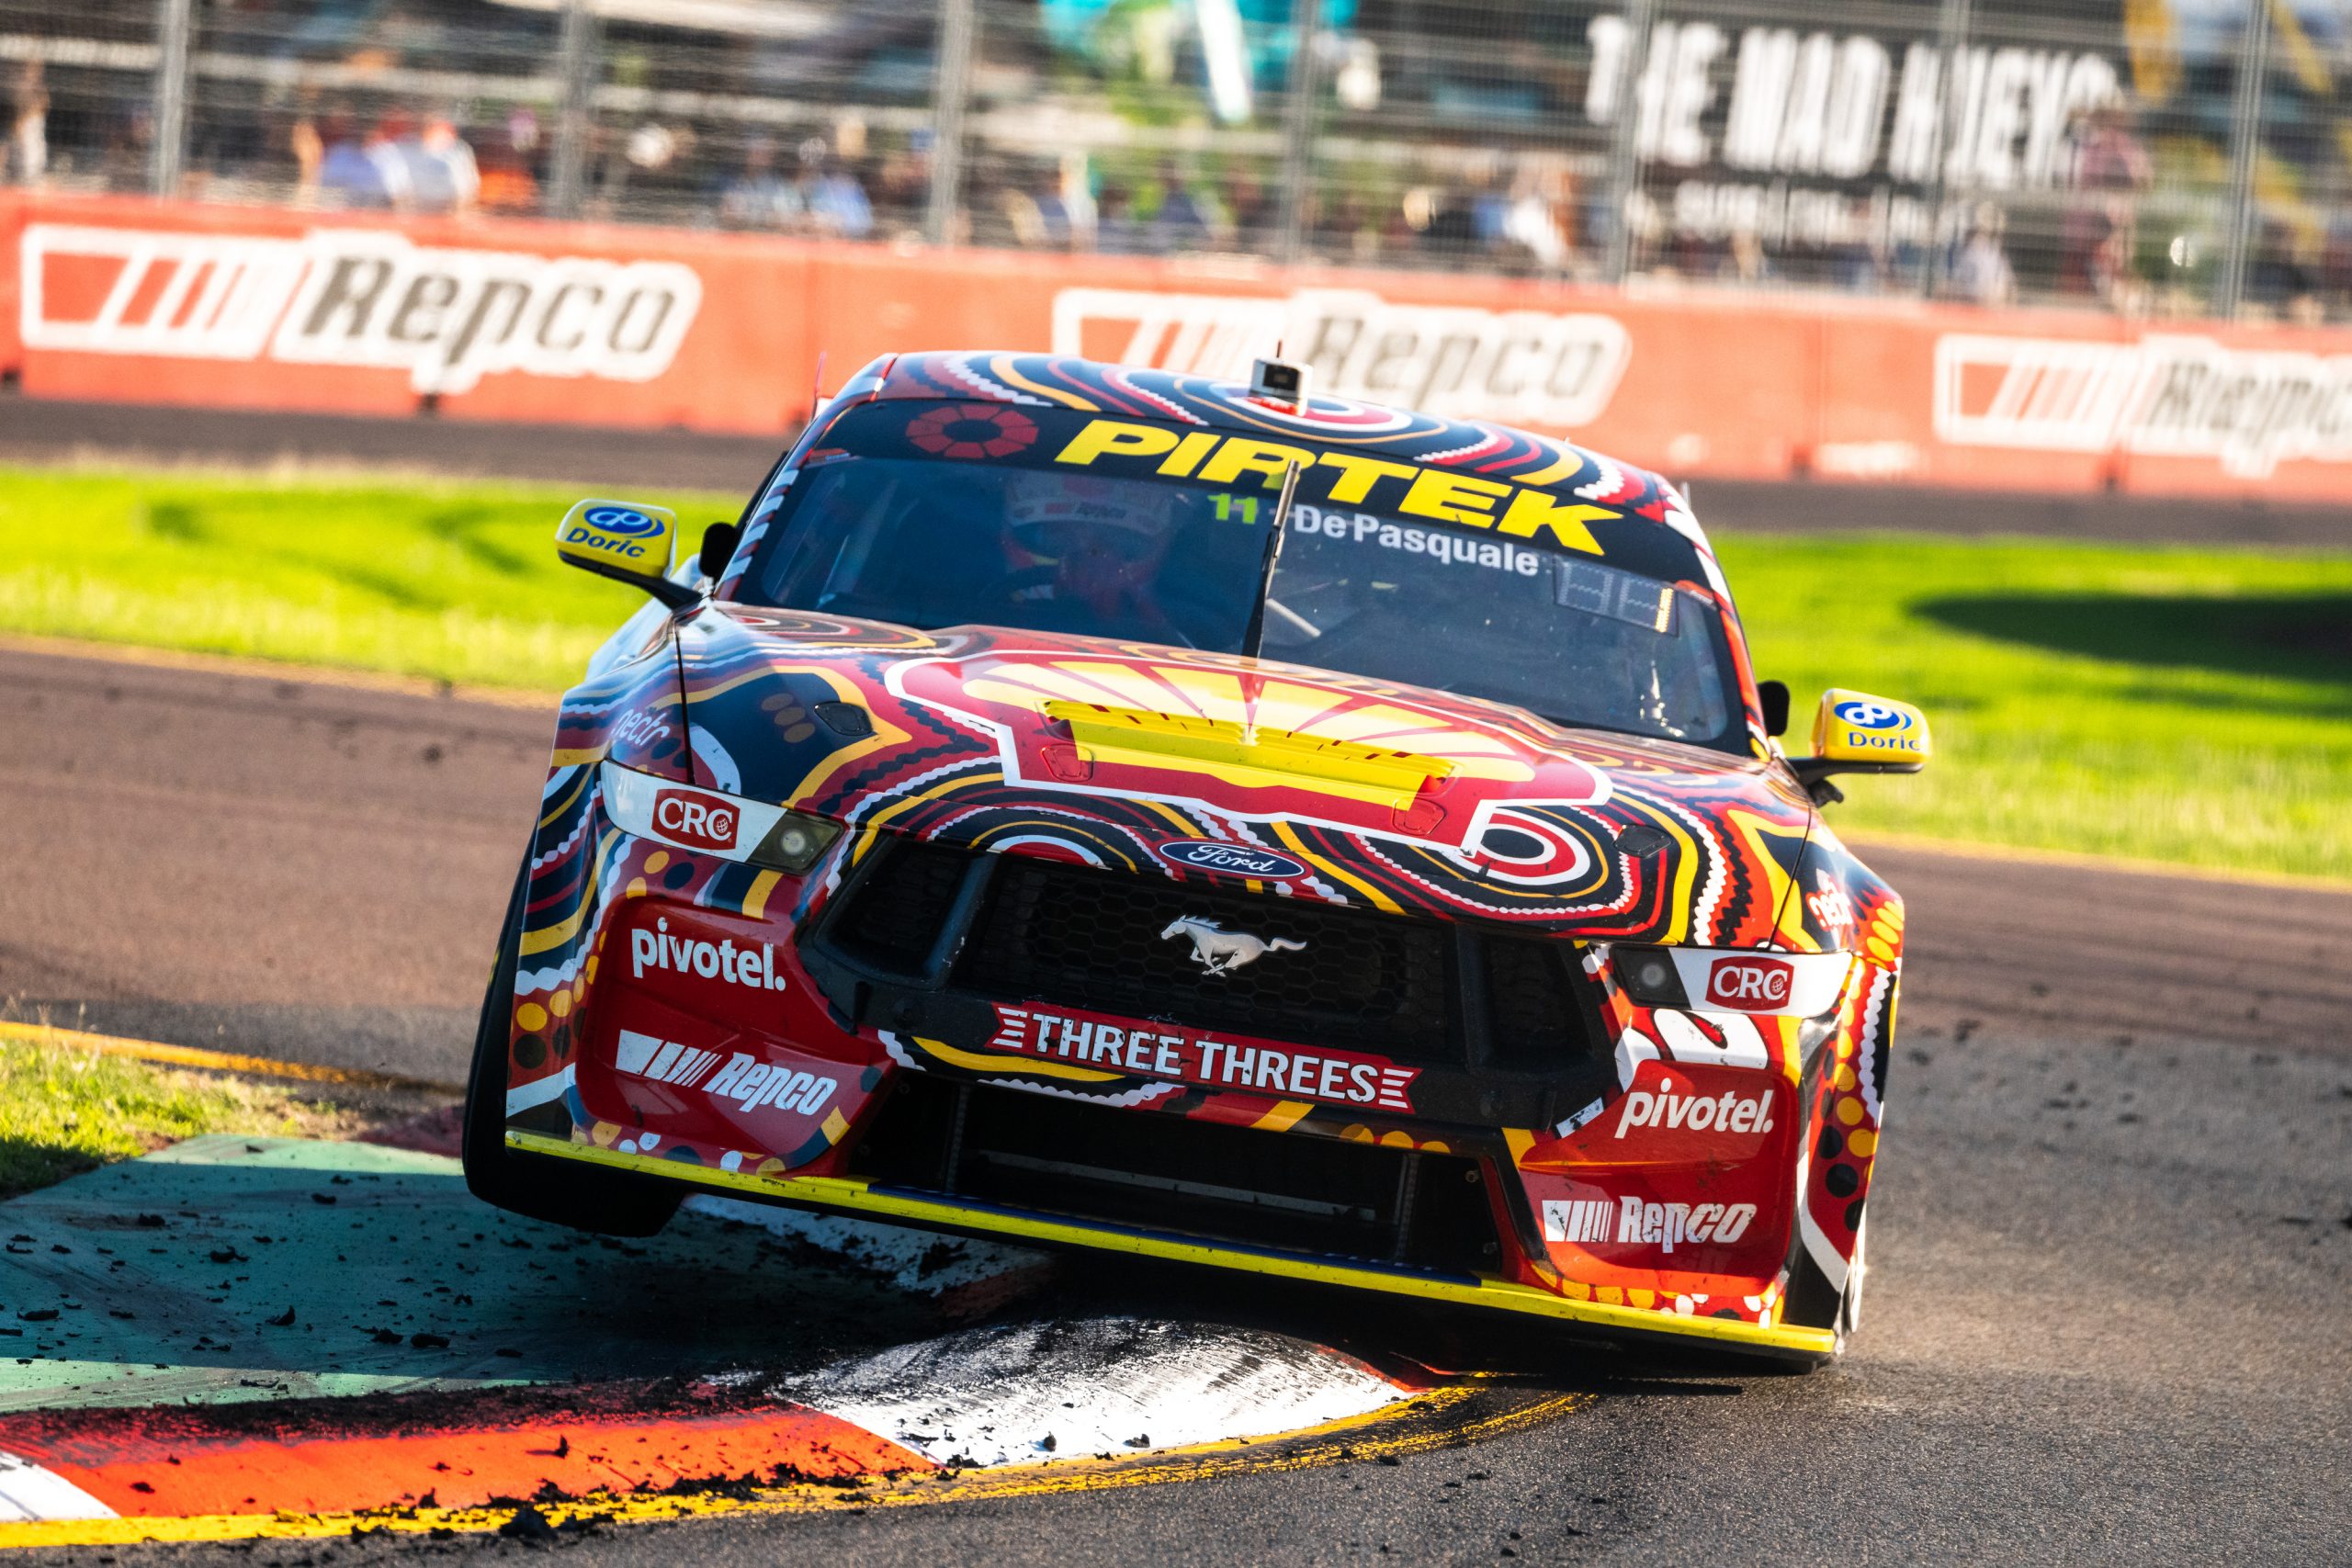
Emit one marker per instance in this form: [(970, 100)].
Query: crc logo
[(621, 520), (1872, 716), (1751, 984), (1237, 860), (694, 820)]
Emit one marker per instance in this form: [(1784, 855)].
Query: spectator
[(756, 196), (2284, 278), (27, 159), (1116, 232), (1040, 218), (2109, 170), (1184, 223), (442, 175), (832, 197), (1980, 271), (507, 183), (357, 173), (1541, 219), (1744, 259)]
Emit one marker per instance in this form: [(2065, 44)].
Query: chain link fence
[(2145, 157)]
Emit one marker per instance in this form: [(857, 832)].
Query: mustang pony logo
[(1220, 951)]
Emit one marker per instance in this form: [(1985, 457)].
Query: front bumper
[(852, 1197)]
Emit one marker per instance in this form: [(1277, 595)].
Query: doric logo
[(1220, 951)]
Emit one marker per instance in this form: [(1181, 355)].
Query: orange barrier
[(120, 299)]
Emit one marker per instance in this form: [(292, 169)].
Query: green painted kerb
[(168, 1280)]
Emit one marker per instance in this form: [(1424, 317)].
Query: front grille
[(1531, 1003), (1287, 1190), (1504, 1026), (1362, 981), (901, 905)]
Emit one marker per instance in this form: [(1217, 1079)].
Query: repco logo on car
[(694, 820), (1751, 985)]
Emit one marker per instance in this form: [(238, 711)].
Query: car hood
[(1294, 781)]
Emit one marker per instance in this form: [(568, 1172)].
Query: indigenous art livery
[(1124, 810)]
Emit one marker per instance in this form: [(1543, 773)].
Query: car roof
[(1476, 446)]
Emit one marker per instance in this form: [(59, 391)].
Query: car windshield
[(931, 543)]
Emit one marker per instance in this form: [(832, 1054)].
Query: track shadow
[(2298, 637)]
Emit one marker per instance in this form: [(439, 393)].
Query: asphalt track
[(2109, 1252)]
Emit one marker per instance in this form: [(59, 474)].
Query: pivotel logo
[(1234, 859), (695, 819), (1872, 716), (710, 959), (1729, 1111), (1634, 1222), (1750, 983)]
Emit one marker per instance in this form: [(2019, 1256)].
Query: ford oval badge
[(1232, 860)]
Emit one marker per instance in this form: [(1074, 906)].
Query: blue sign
[(1234, 859), (1871, 715), (628, 524)]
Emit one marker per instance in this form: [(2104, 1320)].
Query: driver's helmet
[(1050, 517)]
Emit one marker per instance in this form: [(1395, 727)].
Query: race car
[(1204, 820)]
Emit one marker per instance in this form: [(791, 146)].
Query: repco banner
[(116, 298), (442, 316)]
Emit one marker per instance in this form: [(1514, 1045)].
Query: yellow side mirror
[(1854, 727), (625, 541)]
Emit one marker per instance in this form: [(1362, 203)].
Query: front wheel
[(563, 1191)]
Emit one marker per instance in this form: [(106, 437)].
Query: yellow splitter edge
[(843, 1196)]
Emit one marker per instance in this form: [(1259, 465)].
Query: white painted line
[(29, 1494), (1025, 1392)]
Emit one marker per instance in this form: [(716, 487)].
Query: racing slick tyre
[(564, 1192)]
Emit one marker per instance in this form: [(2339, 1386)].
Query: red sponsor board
[(1177, 1054), (116, 298)]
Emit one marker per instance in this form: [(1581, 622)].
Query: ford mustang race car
[(1118, 810)]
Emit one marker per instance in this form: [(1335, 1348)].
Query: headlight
[(712, 823), (796, 841)]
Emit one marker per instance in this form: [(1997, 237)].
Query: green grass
[(452, 582), (2175, 703), (64, 1110), (2179, 704)]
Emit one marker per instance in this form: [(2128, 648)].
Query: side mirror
[(627, 543), (718, 542), (1854, 732), (1774, 697)]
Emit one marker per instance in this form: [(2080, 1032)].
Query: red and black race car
[(1128, 811)]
